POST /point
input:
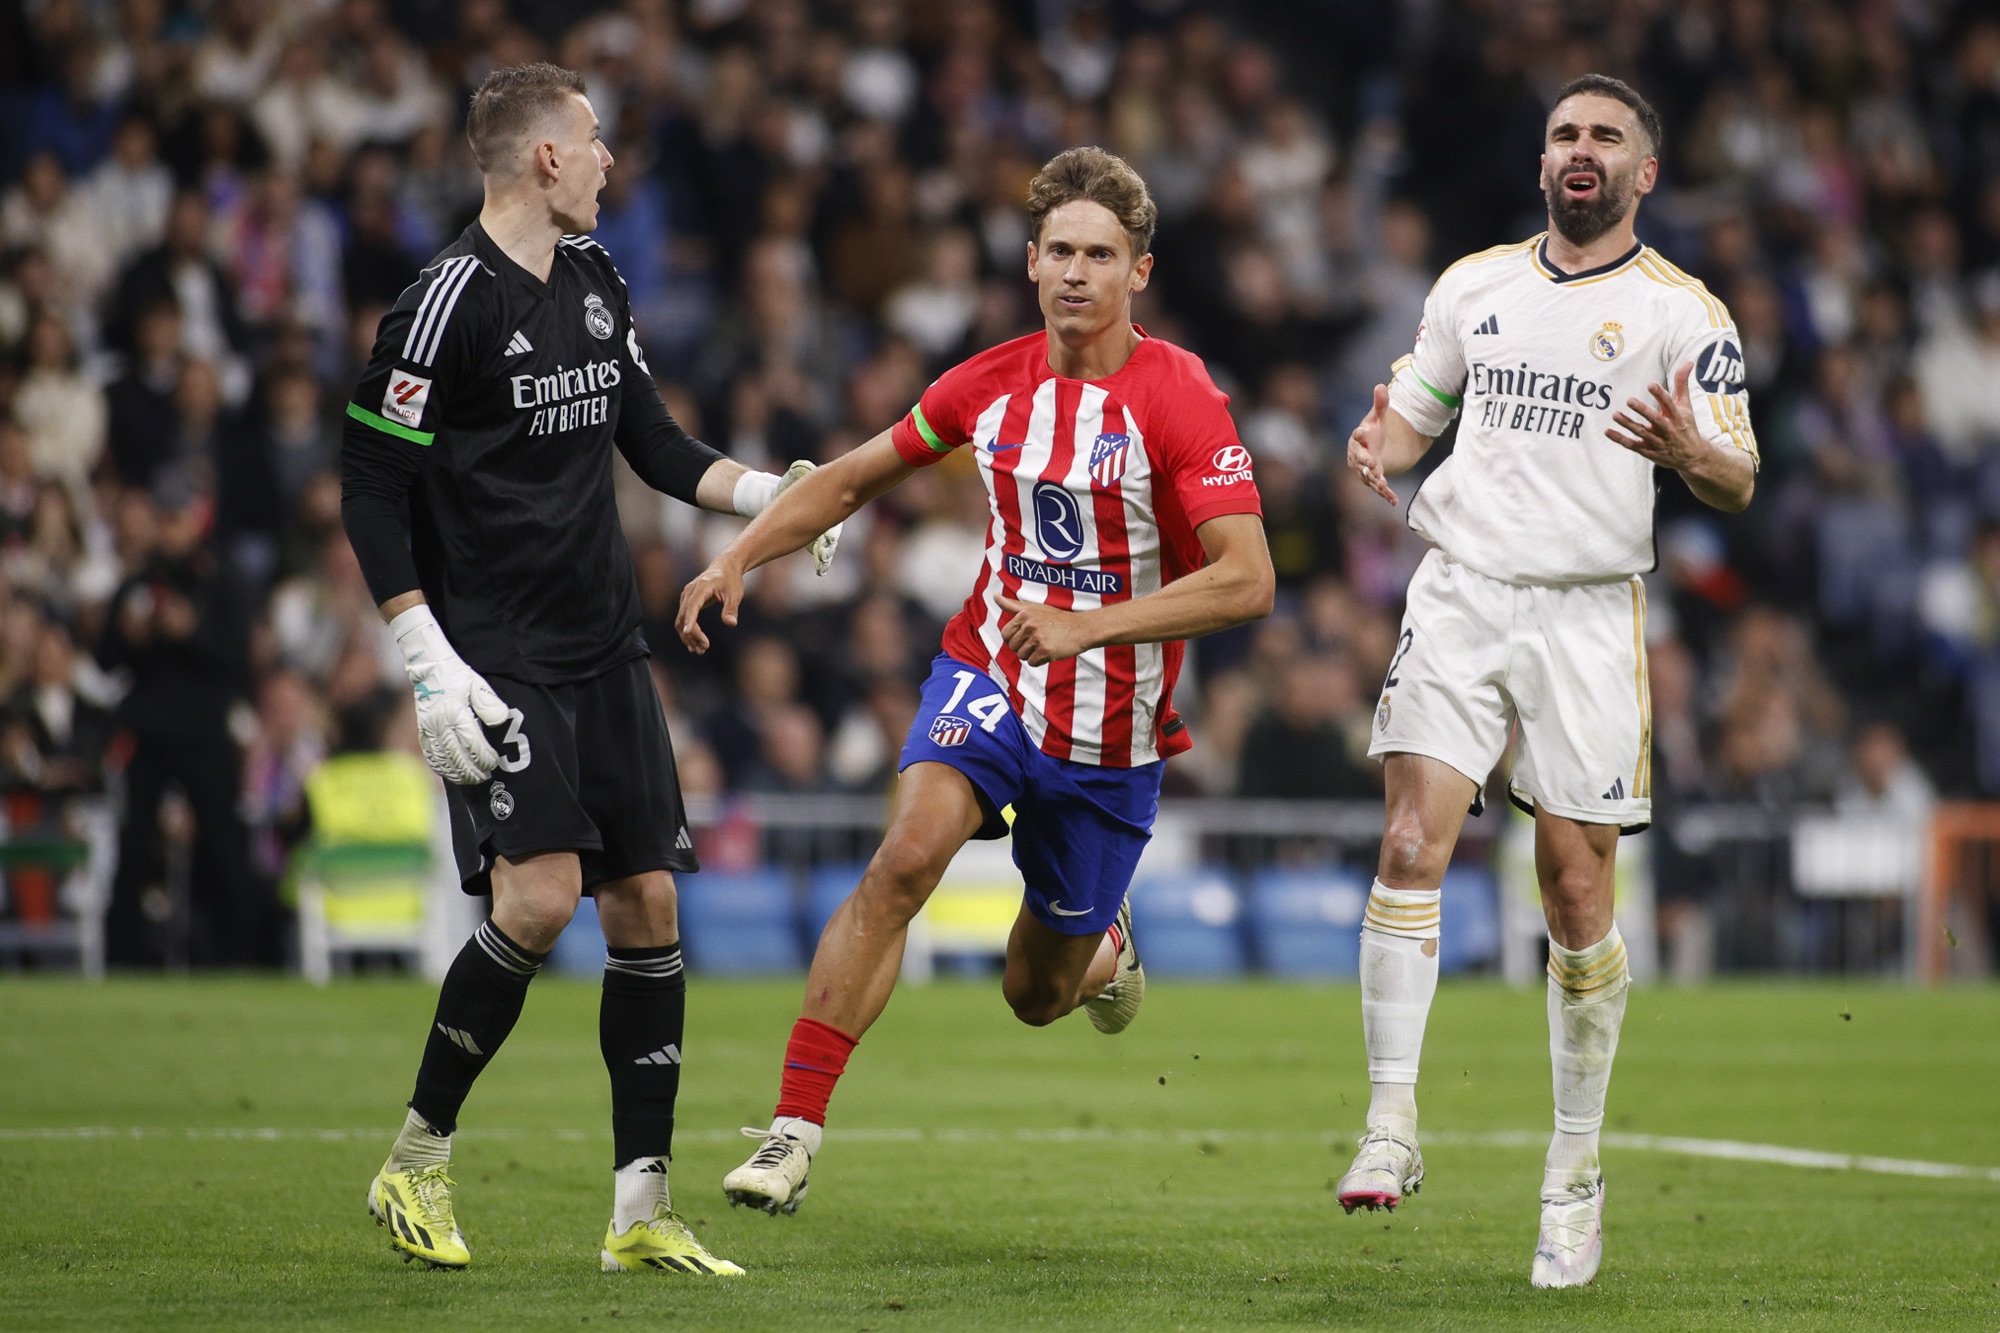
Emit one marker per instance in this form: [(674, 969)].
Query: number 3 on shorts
[(989, 710), (523, 755)]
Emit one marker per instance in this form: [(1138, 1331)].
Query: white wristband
[(754, 493), (421, 638)]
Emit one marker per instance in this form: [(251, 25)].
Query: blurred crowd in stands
[(206, 207)]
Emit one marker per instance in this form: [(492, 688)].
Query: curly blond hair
[(1102, 178)]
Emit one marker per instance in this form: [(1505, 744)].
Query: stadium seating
[(1189, 924), (579, 950), (827, 888), (1307, 922), (739, 924), (1470, 937), (1857, 541)]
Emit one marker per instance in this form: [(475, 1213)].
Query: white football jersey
[(1539, 361)]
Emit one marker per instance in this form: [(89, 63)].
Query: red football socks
[(815, 1058)]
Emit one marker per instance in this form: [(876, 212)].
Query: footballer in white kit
[(1531, 606), (1580, 364)]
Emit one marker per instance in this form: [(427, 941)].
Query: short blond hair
[(1102, 178), (512, 101)]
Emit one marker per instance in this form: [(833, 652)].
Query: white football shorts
[(1568, 661)]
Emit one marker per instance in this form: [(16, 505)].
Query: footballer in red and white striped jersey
[(1123, 518), (1095, 489)]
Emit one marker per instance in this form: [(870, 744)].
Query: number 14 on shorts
[(988, 710)]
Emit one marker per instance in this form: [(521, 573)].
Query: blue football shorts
[(1078, 828)]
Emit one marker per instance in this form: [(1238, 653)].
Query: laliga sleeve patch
[(403, 401)]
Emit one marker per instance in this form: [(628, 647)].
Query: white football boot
[(1387, 1167), (774, 1178), (1112, 1009), (1572, 1240)]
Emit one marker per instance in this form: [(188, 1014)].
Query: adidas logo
[(519, 344), (1617, 792), (1492, 325), (684, 841), (669, 1054), (461, 1039)]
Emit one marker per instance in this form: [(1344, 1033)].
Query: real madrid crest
[(1609, 341), (1382, 714), (596, 318), (501, 802)]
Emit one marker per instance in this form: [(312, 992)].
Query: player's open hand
[(1664, 429), (1364, 447), (1040, 634), (717, 583)]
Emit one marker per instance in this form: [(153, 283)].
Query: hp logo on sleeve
[(1058, 522), (1719, 368)]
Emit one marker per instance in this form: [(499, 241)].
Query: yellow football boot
[(416, 1207), (664, 1243)]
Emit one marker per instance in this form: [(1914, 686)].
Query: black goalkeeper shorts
[(585, 768)]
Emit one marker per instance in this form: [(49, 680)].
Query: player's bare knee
[(1038, 1006), (1410, 860), (1576, 888), (535, 923)]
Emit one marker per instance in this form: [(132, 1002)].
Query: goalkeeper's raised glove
[(452, 700), (756, 490)]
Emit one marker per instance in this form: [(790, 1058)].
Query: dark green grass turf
[(1138, 1219)]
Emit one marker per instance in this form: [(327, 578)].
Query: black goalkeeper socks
[(477, 1007), (639, 1028)]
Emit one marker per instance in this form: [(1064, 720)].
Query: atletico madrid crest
[(948, 731), (1107, 458)]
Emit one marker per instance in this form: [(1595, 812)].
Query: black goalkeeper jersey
[(491, 406)]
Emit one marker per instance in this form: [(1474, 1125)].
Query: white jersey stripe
[(426, 308), (985, 434), (441, 291), (1086, 727), (1032, 682), (1142, 537), (428, 352)]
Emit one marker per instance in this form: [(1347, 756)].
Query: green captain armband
[(388, 427), (924, 429), (1449, 400)]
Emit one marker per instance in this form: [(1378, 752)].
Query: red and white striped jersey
[(1094, 490)]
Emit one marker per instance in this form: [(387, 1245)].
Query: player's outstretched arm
[(1235, 586), (821, 500), (674, 463), (1383, 445), (1666, 431)]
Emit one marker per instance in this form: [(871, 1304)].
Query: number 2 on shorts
[(1396, 662)]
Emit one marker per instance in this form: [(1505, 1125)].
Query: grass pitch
[(982, 1175)]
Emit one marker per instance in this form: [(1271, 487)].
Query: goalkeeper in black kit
[(477, 493)]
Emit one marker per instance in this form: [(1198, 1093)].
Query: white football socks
[(639, 1188), (1587, 989), (805, 1131), (418, 1145), (1399, 976)]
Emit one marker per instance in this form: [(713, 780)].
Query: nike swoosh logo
[(1059, 910), (1005, 448)]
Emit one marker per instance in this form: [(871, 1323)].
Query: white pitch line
[(1729, 1149)]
